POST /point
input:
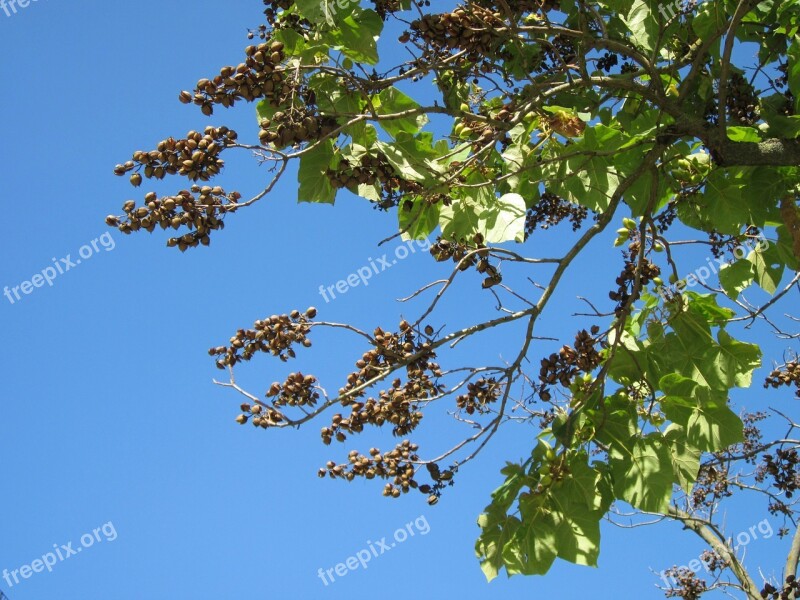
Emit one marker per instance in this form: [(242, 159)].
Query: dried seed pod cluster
[(518, 7), (384, 8), (260, 415), (474, 29), (712, 485), (788, 375), (371, 170), (200, 210), (297, 390), (275, 335), (259, 76), (275, 7), (687, 586), (790, 590), (562, 367), (480, 394), (195, 157), (295, 126), (397, 405), (395, 465), (627, 279), (465, 256), (784, 470)]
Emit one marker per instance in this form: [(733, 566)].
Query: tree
[(649, 115)]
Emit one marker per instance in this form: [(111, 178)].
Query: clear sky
[(113, 438)]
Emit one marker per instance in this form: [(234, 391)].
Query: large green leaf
[(356, 36), (643, 476), (497, 219), (563, 521), (736, 277), (685, 457), (314, 184), (392, 101), (767, 267), (643, 25)]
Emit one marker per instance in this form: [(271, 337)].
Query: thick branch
[(774, 152), (717, 543), (794, 556)]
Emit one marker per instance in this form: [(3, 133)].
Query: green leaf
[(685, 457), (643, 25), (736, 277), (767, 267), (356, 36), (495, 534), (293, 42), (738, 360), (563, 521), (726, 204), (314, 184), (709, 423), (615, 424), (713, 427), (709, 19), (497, 219), (793, 71), (410, 160), (392, 101), (643, 477), (785, 250), (330, 11), (419, 221), (743, 134)]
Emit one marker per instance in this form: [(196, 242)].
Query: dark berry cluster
[(274, 8), (552, 210), (384, 8), (713, 561), (607, 62), (742, 101), (752, 434), (371, 170), (399, 404), (260, 415), (297, 390), (666, 217)]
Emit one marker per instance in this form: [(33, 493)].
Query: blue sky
[(109, 420)]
